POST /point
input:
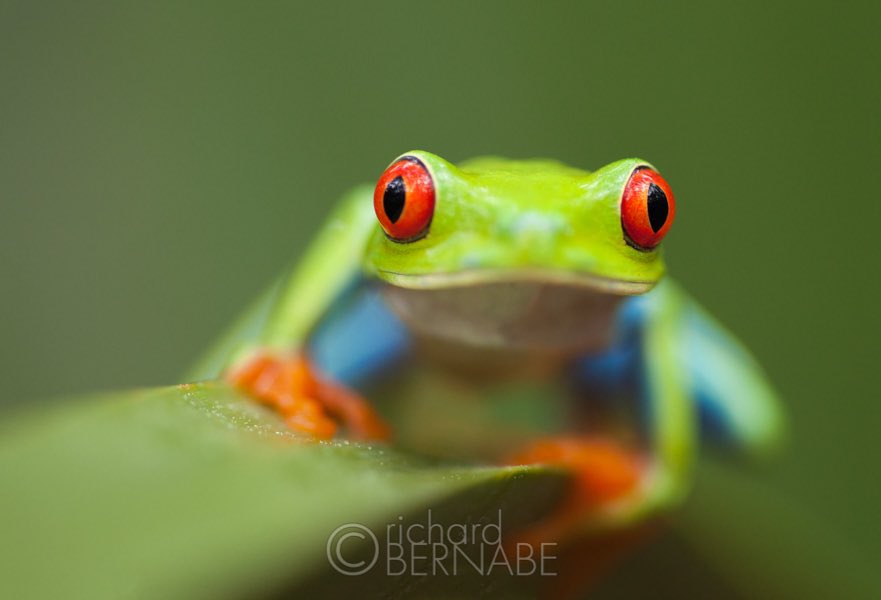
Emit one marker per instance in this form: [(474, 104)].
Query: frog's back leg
[(691, 378), (666, 342), (737, 406)]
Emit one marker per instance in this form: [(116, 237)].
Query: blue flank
[(358, 338), (616, 371), (619, 371), (617, 374)]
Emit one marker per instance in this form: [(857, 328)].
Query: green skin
[(539, 221)]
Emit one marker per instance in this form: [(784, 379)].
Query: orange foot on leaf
[(602, 472), (308, 403)]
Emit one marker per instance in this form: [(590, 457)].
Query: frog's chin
[(481, 277), (505, 316)]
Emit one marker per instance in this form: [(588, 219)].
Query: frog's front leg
[(268, 353), (309, 402)]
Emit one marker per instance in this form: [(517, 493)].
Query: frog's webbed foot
[(309, 403), (603, 472)]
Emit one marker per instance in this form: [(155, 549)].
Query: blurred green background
[(160, 163)]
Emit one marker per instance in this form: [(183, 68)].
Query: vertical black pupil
[(657, 207), (396, 193)]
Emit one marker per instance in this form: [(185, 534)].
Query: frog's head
[(491, 230)]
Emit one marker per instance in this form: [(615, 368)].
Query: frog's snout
[(532, 227)]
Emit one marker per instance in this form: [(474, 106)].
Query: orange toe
[(603, 470), (310, 418), (362, 421), (289, 384)]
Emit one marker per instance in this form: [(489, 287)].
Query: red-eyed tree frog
[(498, 270)]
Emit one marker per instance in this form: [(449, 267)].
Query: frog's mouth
[(514, 311), (480, 277)]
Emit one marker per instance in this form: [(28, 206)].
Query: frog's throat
[(471, 277)]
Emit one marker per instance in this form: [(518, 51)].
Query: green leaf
[(193, 491)]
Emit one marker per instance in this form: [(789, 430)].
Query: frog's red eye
[(404, 200), (647, 209)]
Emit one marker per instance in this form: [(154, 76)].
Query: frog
[(495, 270)]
